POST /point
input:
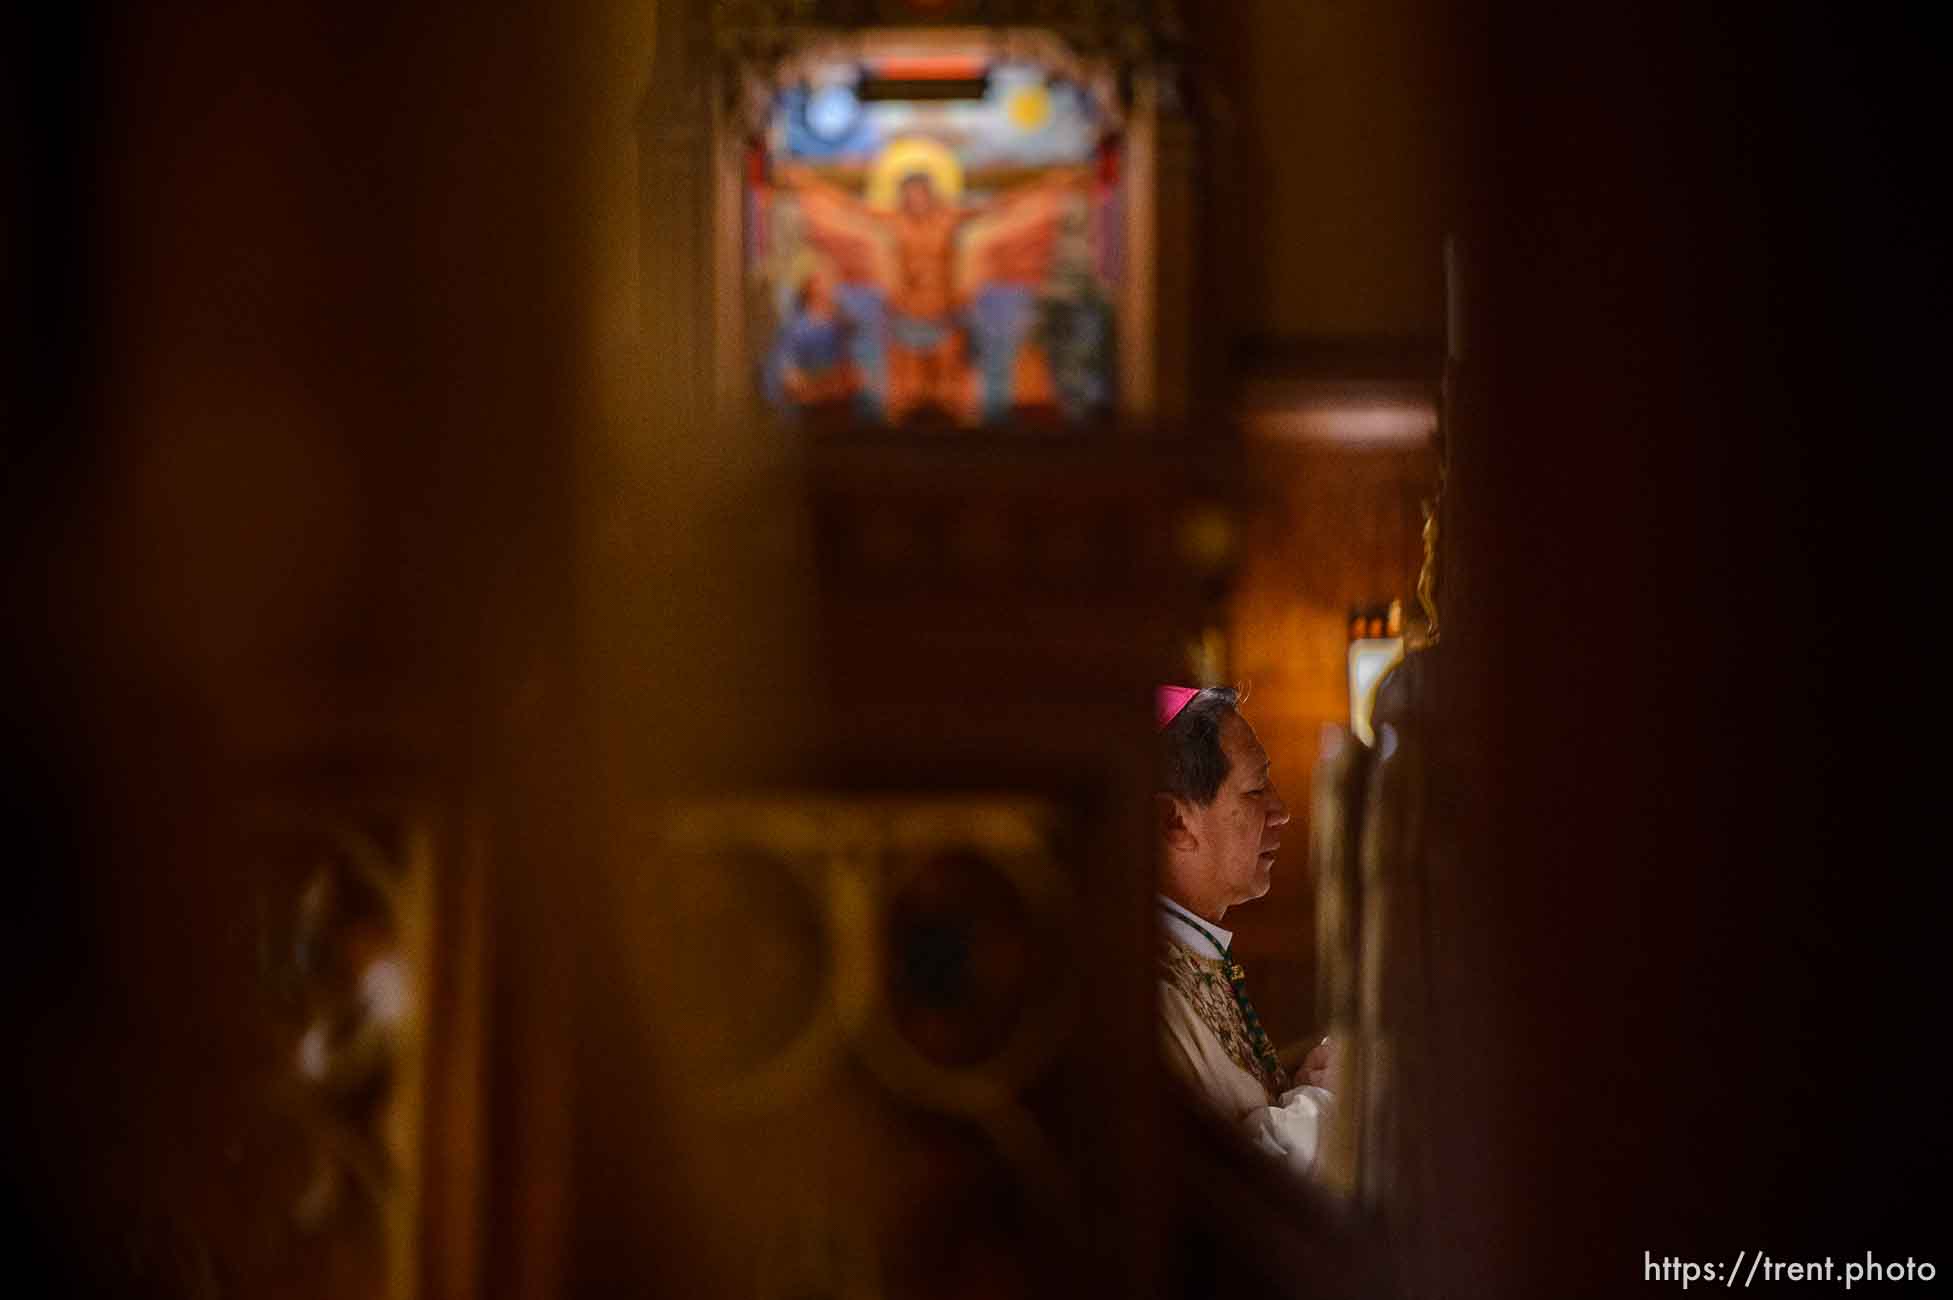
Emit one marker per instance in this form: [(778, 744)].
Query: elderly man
[(1220, 824)]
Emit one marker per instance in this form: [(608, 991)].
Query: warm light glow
[(1372, 423), (1369, 659), (1371, 415), (930, 67)]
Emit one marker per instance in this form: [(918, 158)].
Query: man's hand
[(1316, 1065)]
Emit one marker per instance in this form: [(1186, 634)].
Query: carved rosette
[(885, 972), (918, 935)]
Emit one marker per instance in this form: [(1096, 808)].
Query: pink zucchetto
[(1169, 700)]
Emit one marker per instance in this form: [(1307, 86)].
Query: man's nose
[(1277, 810)]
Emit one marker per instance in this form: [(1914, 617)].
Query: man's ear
[(1170, 817)]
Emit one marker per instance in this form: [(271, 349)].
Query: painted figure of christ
[(927, 260)]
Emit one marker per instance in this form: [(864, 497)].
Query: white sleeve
[(1291, 1131)]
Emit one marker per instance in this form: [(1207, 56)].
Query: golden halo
[(908, 156)]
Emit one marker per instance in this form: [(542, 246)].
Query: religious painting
[(934, 240)]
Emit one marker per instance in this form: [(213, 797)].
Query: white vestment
[(1206, 1042)]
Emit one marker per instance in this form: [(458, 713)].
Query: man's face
[(918, 196), (1239, 832)]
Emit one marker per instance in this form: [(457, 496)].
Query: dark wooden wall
[(1325, 179), (1689, 974), (304, 356)]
